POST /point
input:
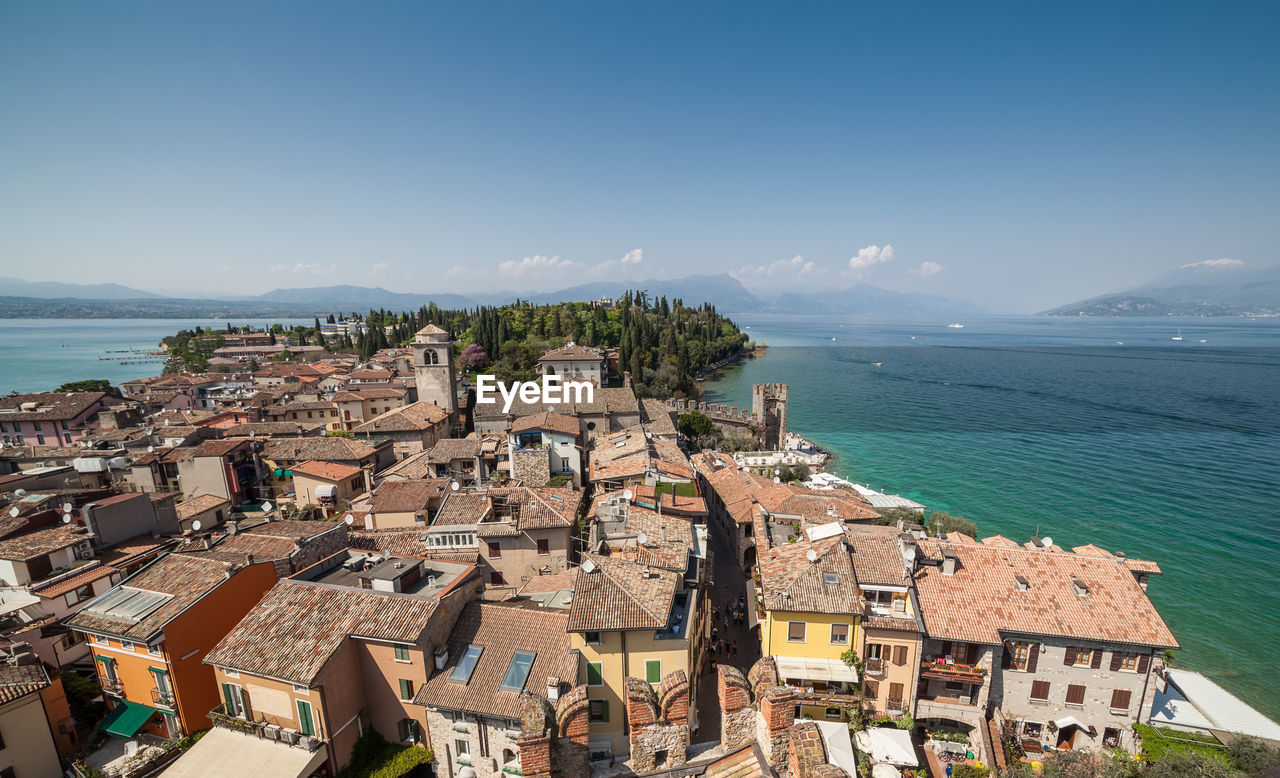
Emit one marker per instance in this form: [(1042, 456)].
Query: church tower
[(433, 368)]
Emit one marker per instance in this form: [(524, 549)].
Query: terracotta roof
[(200, 504), (369, 393), (502, 629), (657, 416), (546, 420), (542, 507), (127, 550), (407, 496), (319, 448), (408, 541), (294, 530), (573, 353), (58, 588), (51, 406), (463, 508), (21, 680), (876, 555), (371, 375), (820, 507), (273, 428), (294, 629), (449, 449), (982, 601), (790, 582), (414, 466), (328, 471), (616, 595), (41, 542), (542, 584), (185, 577), (407, 418)]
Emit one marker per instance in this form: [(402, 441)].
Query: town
[(326, 558)]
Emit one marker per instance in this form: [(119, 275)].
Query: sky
[(1017, 155)]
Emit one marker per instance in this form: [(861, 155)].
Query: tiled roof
[(408, 418), (185, 576), (542, 584), (328, 471), (413, 466), (546, 420), (408, 541), (200, 504), (71, 583), (876, 555), (371, 375), (449, 449), (982, 599), (407, 496), (294, 629), (294, 530), (790, 582), (51, 406), (463, 508), (657, 416), (21, 680), (542, 507), (41, 542), (502, 629), (273, 428), (320, 448), (820, 507), (125, 550), (616, 595), (571, 353)]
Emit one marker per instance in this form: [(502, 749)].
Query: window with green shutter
[(653, 670), (406, 689), (598, 710), (305, 723), (402, 652), (595, 674)]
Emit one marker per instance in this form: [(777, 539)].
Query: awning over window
[(326, 490), (1070, 721), (798, 668), (126, 718)]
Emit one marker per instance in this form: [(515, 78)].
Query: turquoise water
[(38, 355), (1044, 426)]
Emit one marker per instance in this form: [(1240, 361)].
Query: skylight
[(466, 665), (517, 671), (830, 578)]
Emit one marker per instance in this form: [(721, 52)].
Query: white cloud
[(1216, 263), (926, 270), (378, 268), (871, 255), (312, 268), (784, 269), (632, 257), (537, 266)]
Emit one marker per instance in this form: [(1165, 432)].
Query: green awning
[(126, 718), (104, 659), (281, 473)]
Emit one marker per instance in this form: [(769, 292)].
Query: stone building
[(433, 368), (658, 720), (769, 405)]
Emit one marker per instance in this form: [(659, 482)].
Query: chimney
[(553, 688), (1021, 583), (664, 533), (949, 561), (248, 559), (441, 657)]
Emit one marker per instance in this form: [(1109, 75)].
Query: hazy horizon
[(1016, 157)]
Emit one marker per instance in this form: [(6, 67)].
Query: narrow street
[(727, 585)]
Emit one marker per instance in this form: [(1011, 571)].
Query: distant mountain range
[(1218, 287), (22, 299)]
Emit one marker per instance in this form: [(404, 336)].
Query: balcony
[(162, 698), (953, 672), (873, 667), (111, 686), (263, 730)]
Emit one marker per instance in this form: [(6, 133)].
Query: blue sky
[(1015, 154)]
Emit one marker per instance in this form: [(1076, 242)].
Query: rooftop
[(616, 594), (47, 406), (326, 471), (791, 581), (409, 496)]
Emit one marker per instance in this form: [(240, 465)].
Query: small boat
[(1119, 342), (1178, 337), (878, 364), (956, 326), (833, 338), (1202, 340), (913, 337)]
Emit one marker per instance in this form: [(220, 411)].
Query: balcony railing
[(111, 686), (162, 698), (263, 730), (953, 672), (895, 706), (874, 666)]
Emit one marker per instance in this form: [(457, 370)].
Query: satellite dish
[(777, 480), (195, 525), (642, 538), (626, 495), (66, 518), (588, 566), (151, 449), (66, 507), (266, 507), (14, 511), (19, 492), (1048, 541), (454, 486), (777, 471), (811, 555), (349, 519)]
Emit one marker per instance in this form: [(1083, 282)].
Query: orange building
[(149, 636)]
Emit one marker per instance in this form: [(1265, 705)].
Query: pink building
[(49, 419)]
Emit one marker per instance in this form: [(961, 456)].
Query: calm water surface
[(1164, 450)]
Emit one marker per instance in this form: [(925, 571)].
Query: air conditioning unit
[(289, 736)]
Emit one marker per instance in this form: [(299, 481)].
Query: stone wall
[(532, 468), (659, 722), (737, 714)]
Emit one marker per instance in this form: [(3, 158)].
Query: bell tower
[(433, 368)]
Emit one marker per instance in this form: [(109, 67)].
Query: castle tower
[(769, 403), (433, 368)]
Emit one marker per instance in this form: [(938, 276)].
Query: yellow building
[(628, 619), (810, 601)]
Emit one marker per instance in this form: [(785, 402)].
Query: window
[(899, 655), (496, 579), (406, 689), (83, 593), (231, 673), (300, 689), (39, 439), (409, 731), (100, 640), (840, 634), (1080, 657), (895, 694), (653, 670), (466, 665), (544, 547), (591, 638), (64, 425), (495, 549), (402, 652), (1124, 661), (795, 632), (595, 674), (66, 438), (517, 671), (830, 579), (234, 698), (1032, 729), (462, 747), (873, 650), (1040, 691), (306, 725), (1020, 655), (564, 464), (831, 714), (1111, 737), (153, 650), (871, 689), (598, 710), (1120, 699), (1075, 694), (126, 645)]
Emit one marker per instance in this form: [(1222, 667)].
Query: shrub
[(373, 757), (695, 424), (1254, 757), (942, 523), (969, 771)]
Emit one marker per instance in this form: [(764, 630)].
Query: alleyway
[(728, 584)]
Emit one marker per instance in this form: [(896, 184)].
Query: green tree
[(695, 424), (90, 385), (942, 523), (1254, 757), (1179, 764)]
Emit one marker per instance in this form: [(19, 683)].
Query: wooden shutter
[(1144, 662), (1120, 699), (1039, 690), (1033, 657), (1097, 659), (1006, 657), (1117, 658), (899, 655), (1070, 657), (1075, 694)]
